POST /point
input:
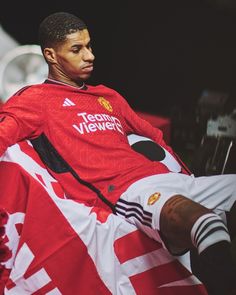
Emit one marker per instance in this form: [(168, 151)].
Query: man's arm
[(21, 118), (137, 125), (8, 132)]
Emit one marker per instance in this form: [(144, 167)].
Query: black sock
[(215, 268)]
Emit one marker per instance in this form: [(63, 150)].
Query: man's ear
[(49, 55)]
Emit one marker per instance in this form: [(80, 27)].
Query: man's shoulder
[(35, 89)]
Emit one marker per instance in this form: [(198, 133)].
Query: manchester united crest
[(153, 198), (105, 103)]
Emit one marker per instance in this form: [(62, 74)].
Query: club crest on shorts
[(153, 198), (105, 103)]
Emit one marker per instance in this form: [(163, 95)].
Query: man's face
[(74, 58)]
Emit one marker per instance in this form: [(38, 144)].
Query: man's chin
[(85, 77)]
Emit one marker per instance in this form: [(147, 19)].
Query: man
[(80, 131)]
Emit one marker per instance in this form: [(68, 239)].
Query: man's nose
[(88, 55)]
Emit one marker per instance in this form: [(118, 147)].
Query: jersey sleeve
[(21, 117), (137, 125)]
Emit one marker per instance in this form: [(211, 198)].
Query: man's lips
[(88, 69)]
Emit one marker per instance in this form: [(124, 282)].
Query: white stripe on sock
[(208, 230)]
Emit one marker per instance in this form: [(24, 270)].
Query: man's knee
[(177, 218)]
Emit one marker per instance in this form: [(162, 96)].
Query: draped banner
[(59, 246)]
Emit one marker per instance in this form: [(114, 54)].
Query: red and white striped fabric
[(59, 246)]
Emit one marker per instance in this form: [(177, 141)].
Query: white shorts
[(142, 202)]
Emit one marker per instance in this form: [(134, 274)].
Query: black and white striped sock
[(208, 230)]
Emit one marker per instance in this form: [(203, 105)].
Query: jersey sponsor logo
[(105, 103), (97, 122), (153, 198), (68, 103)]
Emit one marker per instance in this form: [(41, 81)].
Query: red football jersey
[(88, 129)]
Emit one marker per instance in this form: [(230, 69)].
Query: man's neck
[(82, 86)]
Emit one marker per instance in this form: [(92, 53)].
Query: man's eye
[(76, 49)]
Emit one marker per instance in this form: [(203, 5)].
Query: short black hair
[(54, 29)]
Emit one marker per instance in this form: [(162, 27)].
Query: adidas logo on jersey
[(68, 103)]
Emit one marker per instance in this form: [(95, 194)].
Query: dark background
[(160, 55)]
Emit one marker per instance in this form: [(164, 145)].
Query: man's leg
[(187, 224)]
